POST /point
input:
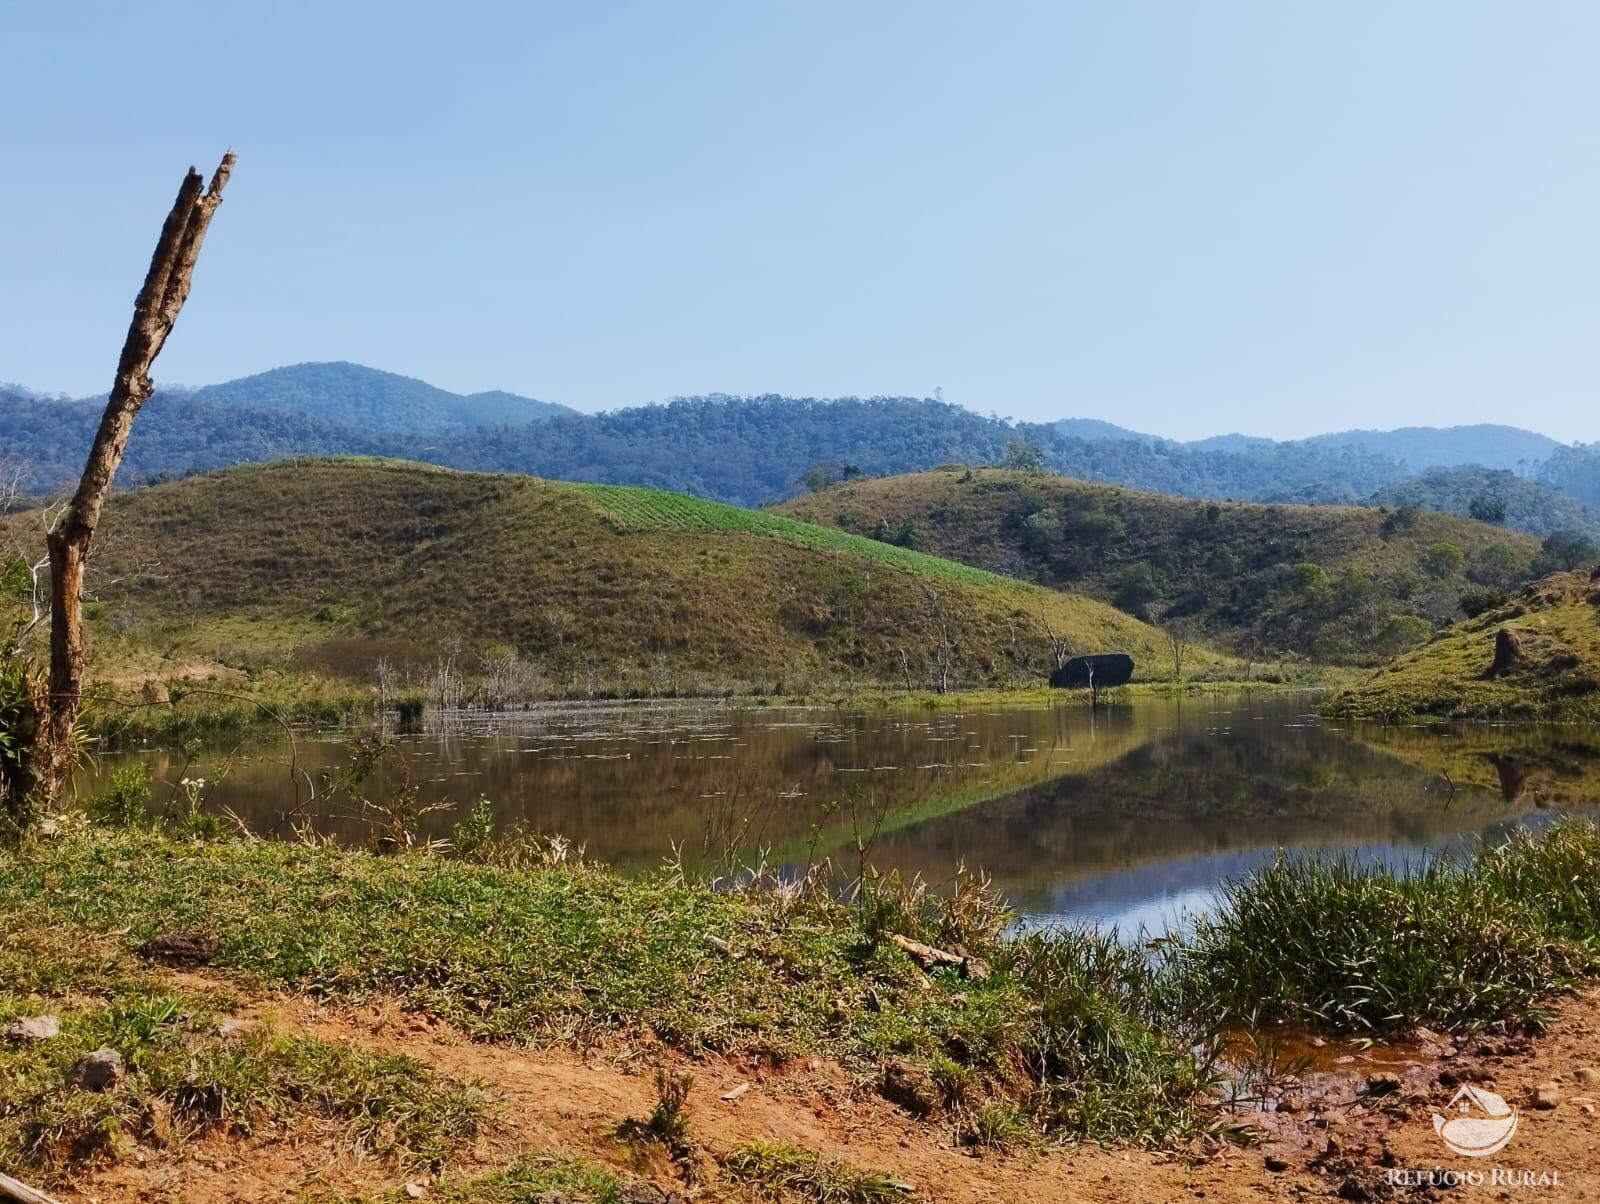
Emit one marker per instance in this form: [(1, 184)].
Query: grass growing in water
[(1364, 948)]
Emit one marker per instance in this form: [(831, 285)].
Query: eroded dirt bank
[(1357, 1129)]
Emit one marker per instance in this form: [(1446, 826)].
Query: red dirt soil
[(1334, 1138)]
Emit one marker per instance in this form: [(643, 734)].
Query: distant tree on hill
[(1022, 456), (1309, 579), (1179, 638), (1487, 508), (1563, 550), (1402, 518), (1443, 559), (1497, 566), (1136, 589)]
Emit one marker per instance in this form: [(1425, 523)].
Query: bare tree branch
[(166, 287)]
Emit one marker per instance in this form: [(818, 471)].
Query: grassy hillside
[(325, 565), (1556, 623), (1337, 583)]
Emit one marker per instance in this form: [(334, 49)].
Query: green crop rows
[(631, 508)]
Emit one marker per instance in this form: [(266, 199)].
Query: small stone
[(1587, 1075), (640, 1192), (1352, 1189), (1546, 1096), (235, 1027), (33, 1028), (1291, 1103), (416, 1191), (1588, 1109), (1383, 1083), (1276, 1165), (98, 1070)]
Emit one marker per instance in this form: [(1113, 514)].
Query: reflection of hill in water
[(628, 782), (1536, 765), (1195, 804), (1064, 807)]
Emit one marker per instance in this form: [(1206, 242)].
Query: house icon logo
[(1482, 1123)]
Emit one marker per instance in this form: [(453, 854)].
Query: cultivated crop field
[(631, 508)]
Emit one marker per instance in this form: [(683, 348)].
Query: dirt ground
[(1356, 1129)]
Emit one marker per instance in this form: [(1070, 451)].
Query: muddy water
[(1128, 815)]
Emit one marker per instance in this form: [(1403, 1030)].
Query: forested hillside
[(176, 434), (1346, 584), (365, 399), (1495, 496), (1419, 448), (759, 450)]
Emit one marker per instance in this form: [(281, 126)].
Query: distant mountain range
[(1418, 448), (756, 450), (351, 396)]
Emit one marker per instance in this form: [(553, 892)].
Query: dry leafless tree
[(71, 535)]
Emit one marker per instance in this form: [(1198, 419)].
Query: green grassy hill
[(1555, 674), (1342, 584), (326, 565)]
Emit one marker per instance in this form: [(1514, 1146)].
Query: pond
[(1126, 815)]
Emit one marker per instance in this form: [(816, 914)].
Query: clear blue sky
[(1272, 217)]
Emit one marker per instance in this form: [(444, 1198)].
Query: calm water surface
[(1128, 815)]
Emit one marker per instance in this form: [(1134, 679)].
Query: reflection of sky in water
[(1157, 899)]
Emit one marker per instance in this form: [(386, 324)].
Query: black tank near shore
[(1101, 670)]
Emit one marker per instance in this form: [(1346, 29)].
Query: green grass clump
[(1112, 1060), (525, 1182), (125, 801), (1554, 878), (779, 1171), (184, 1077), (996, 1125), (1364, 948)]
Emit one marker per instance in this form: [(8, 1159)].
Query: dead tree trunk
[(166, 286)]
